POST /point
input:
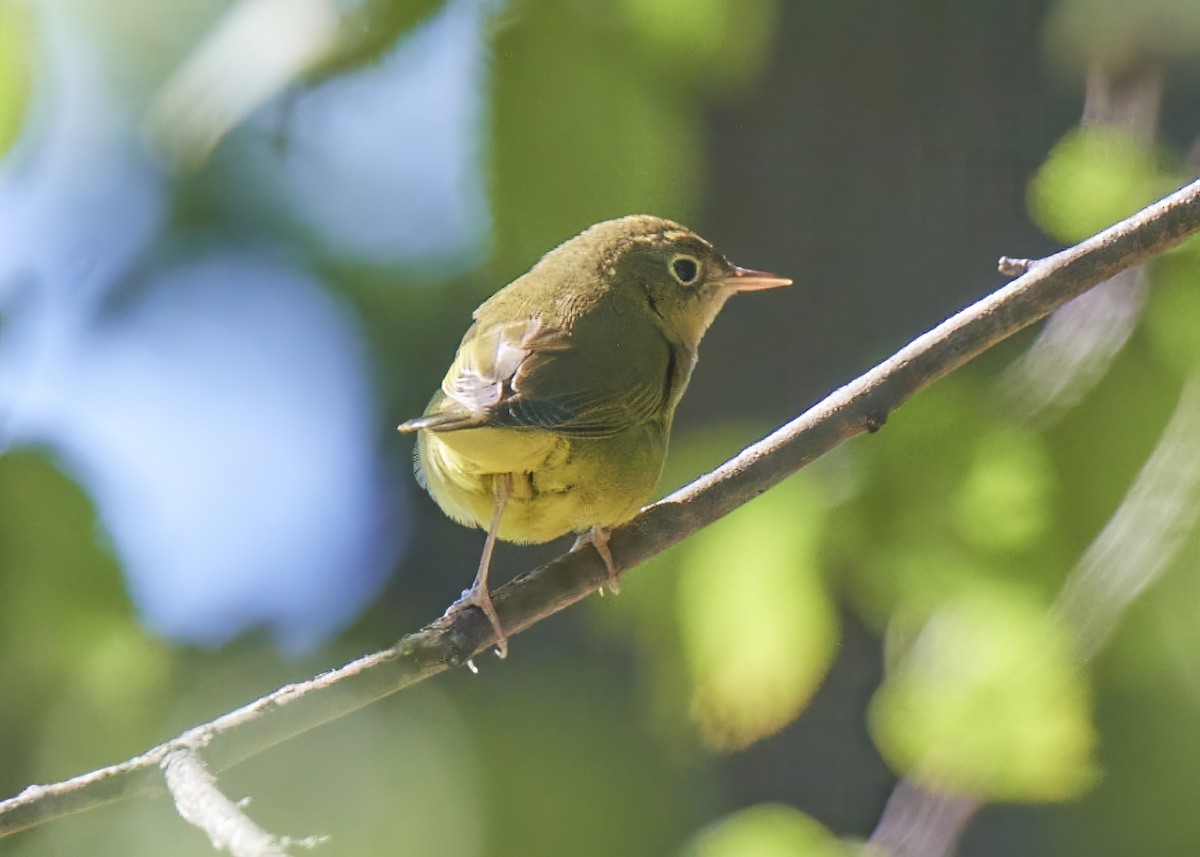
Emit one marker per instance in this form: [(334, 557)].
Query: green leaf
[(1004, 502), (913, 574), (1093, 178), (722, 40), (988, 701), (952, 495), (766, 830), (1173, 313), (757, 627), (70, 648), (17, 37), (583, 131)]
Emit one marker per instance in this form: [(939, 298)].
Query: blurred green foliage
[(1093, 178), (987, 700), (67, 639), (1004, 502), (943, 539), (766, 831), (16, 67), (1120, 34), (757, 627), (630, 126), (715, 41), (1170, 320)]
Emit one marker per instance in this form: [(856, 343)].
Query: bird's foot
[(598, 538), (478, 596)]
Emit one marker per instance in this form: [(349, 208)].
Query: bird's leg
[(598, 537), (478, 595)]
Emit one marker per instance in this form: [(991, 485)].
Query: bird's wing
[(526, 374)]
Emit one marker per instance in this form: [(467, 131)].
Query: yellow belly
[(560, 484)]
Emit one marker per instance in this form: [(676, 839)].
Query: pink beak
[(746, 280)]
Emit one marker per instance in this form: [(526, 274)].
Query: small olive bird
[(555, 414)]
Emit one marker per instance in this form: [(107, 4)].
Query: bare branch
[(863, 405), (1143, 536), (200, 802), (1136, 545), (921, 823), (1075, 349), (1070, 356)]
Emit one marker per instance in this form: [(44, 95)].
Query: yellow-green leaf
[(766, 830), (1173, 314), (1093, 178), (1004, 501), (722, 40), (988, 701), (17, 33), (568, 93), (758, 630)]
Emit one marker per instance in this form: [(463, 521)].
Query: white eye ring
[(690, 266)]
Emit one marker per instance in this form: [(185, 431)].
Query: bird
[(554, 416)]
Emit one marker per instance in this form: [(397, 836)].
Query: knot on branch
[(1011, 267), (875, 420)]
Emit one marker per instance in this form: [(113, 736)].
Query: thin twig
[(200, 802), (1143, 536), (1010, 267), (1071, 354), (860, 406), (1075, 348), (917, 822), (1137, 544)]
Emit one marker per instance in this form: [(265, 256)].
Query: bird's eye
[(685, 269)]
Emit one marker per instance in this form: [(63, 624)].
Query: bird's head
[(684, 278)]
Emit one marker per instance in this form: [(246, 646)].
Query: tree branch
[(200, 802), (861, 406), (917, 822), (1140, 540), (1074, 350)]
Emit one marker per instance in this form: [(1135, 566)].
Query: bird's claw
[(479, 597), (598, 538)]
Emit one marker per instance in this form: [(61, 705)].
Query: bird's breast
[(560, 484)]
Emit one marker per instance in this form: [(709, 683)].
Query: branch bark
[(1074, 350), (861, 406), (200, 802), (921, 823)]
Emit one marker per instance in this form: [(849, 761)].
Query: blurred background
[(239, 242)]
